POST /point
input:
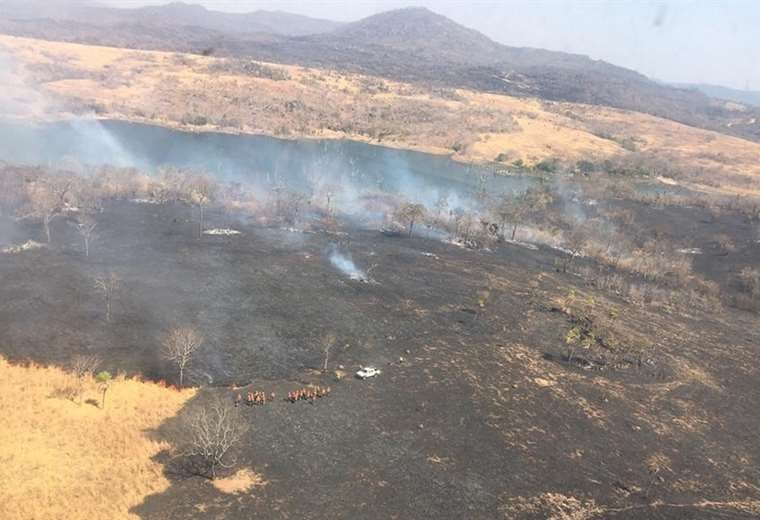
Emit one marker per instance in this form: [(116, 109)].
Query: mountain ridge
[(748, 97), (410, 44), (173, 14)]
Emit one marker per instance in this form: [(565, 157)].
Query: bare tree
[(330, 192), (171, 184), (291, 206), (83, 366), (88, 195), (108, 283), (214, 430), (86, 226), (44, 204), (179, 346), (575, 243), (201, 192), (328, 342), (60, 186)]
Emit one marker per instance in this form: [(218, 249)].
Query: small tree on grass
[(214, 430), (179, 346), (83, 367), (103, 379), (108, 283)]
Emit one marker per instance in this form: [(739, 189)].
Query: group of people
[(310, 394), (254, 398)]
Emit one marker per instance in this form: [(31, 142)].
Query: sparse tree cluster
[(515, 208)]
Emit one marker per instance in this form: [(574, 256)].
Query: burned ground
[(476, 414)]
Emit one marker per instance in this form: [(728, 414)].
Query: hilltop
[(413, 45)]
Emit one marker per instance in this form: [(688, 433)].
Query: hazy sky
[(710, 41)]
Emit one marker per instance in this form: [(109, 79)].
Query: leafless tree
[(86, 226), (43, 204), (201, 191), (179, 346), (465, 225), (213, 431), (83, 366), (328, 342), (60, 185), (108, 283), (170, 184), (575, 243), (291, 206), (330, 192)]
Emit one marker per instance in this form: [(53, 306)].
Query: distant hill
[(177, 14), (415, 44), (748, 97), (412, 44)]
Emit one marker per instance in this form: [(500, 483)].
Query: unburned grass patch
[(64, 460)]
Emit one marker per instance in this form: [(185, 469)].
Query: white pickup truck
[(367, 372)]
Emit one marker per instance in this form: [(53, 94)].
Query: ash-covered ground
[(478, 413)]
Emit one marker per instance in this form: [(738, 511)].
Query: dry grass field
[(65, 460), (206, 93)]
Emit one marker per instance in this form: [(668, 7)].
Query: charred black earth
[(476, 414)]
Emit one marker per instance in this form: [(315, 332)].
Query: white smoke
[(18, 99), (98, 145), (25, 99), (345, 264)]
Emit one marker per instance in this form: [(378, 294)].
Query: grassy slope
[(166, 88), (62, 460)]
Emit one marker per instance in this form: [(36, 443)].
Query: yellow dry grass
[(164, 88), (241, 481), (61, 460)]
